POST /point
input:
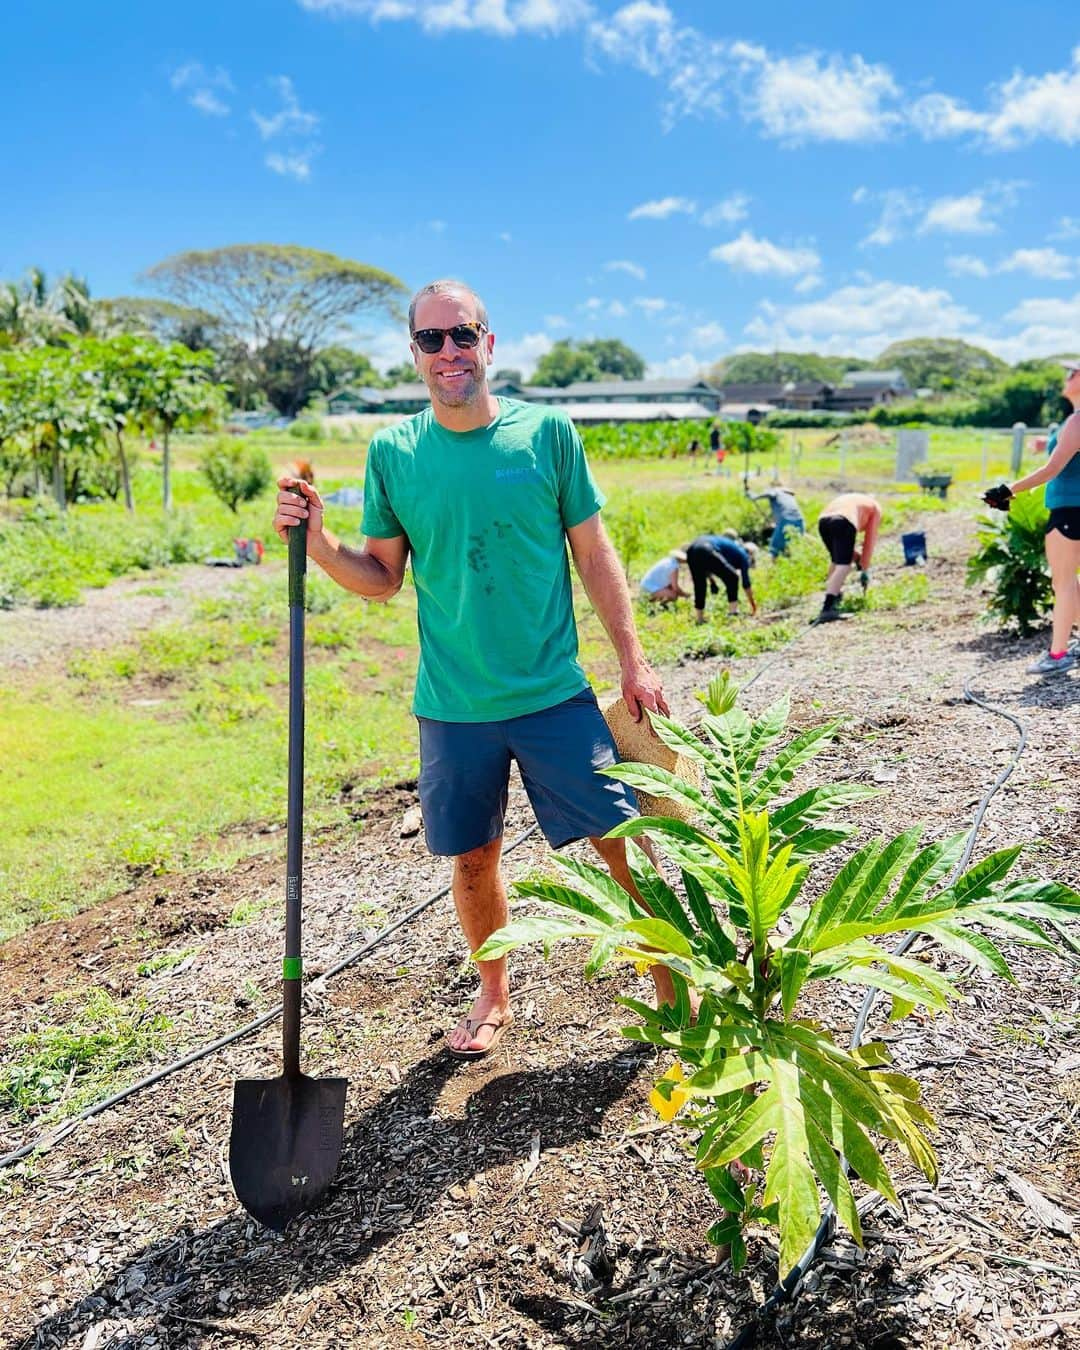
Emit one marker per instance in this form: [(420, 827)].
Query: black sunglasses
[(430, 340)]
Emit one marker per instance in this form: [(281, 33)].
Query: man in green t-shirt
[(485, 493)]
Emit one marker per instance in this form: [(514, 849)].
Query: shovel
[(286, 1131)]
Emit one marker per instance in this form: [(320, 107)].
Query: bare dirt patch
[(533, 1200)]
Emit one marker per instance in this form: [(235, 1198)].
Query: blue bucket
[(914, 548)]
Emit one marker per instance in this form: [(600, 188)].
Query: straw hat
[(638, 741)]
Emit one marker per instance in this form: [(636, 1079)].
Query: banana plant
[(765, 1084)]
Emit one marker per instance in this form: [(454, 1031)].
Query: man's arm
[(870, 537), (376, 571), (602, 576)]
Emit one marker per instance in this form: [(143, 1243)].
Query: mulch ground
[(534, 1199)]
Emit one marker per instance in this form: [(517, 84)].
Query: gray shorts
[(465, 775)]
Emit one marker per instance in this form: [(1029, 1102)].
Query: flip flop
[(473, 1027)]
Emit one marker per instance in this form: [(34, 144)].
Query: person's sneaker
[(1074, 647), (1049, 665), (829, 616)]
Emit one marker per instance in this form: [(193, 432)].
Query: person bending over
[(715, 556), (661, 581), (840, 524), (786, 515)]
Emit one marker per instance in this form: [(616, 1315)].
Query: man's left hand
[(641, 689)]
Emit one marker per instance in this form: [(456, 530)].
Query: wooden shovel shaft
[(291, 983)]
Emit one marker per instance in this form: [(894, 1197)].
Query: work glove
[(998, 497), (864, 579)]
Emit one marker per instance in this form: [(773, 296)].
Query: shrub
[(1012, 557), (237, 472), (764, 1083)]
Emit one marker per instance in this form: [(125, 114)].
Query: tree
[(1032, 396), (615, 358), (163, 320), (236, 472), (278, 302), (179, 390), (566, 363), (403, 373), (780, 367), (942, 363), (338, 366), (510, 373)]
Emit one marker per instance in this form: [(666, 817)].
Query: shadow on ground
[(397, 1162)]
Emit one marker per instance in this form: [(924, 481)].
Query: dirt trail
[(463, 1190)]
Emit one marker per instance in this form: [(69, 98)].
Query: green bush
[(237, 472), (1012, 557)]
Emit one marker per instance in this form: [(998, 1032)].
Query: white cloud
[(808, 283), (1020, 110), (632, 269), (650, 304), (859, 320), (203, 87), (764, 258), (1068, 227), (296, 165), (710, 334), (555, 321), (958, 215), (503, 18), (522, 353), (681, 367), (815, 97), (730, 211), (290, 119), (613, 309), (898, 207), (437, 226), (663, 207), (966, 265), (505, 237), (1040, 262)]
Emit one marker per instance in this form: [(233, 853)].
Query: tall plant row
[(67, 412), (759, 1078)]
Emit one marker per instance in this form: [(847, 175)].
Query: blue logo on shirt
[(523, 475)]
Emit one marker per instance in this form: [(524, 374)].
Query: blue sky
[(692, 178)]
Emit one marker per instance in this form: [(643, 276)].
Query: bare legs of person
[(838, 574), (1063, 555), (480, 899)]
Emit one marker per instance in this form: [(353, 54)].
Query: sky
[(692, 177)]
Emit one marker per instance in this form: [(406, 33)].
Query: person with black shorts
[(840, 524), (712, 556), (1061, 474)]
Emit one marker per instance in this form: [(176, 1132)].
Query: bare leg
[(1063, 555), (613, 852), (480, 899), (834, 582)]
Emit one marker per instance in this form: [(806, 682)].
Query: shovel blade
[(285, 1144)]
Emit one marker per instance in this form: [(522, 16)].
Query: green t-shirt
[(485, 513)]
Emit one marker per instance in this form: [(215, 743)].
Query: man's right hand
[(295, 501)]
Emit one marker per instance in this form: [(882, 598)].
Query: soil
[(534, 1199)]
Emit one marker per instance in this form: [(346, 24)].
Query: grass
[(168, 752), (60, 1067)]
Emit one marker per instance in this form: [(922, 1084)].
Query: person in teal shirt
[(1061, 474), (483, 495)]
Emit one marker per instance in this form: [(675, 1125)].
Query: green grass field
[(167, 751)]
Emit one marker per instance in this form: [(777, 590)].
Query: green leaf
[(662, 936), (726, 1191), (789, 1178), (534, 929), (816, 803), (782, 768), (603, 949), (979, 881), (794, 969)]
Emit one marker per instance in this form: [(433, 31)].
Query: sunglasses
[(430, 340)]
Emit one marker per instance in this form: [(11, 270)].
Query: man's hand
[(295, 501), (998, 497), (641, 689)]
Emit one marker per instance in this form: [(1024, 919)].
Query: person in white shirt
[(661, 581)]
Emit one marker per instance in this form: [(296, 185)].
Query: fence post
[(1018, 447), (985, 460), (843, 456)]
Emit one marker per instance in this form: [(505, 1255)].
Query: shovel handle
[(291, 967)]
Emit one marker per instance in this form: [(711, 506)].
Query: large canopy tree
[(279, 301), (600, 358)]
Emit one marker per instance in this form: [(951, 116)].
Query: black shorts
[(1066, 520), (838, 536)]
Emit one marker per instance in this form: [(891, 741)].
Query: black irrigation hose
[(788, 1287), (51, 1138)]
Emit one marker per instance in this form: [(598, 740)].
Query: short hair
[(446, 286)]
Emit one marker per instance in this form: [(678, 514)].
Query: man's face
[(455, 376)]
